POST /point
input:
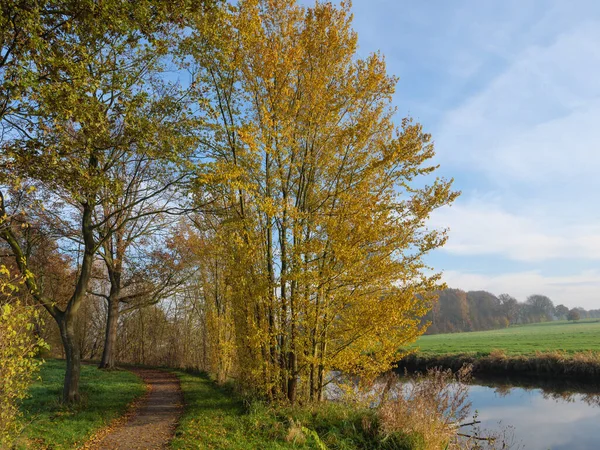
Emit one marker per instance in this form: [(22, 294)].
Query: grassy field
[(517, 340), (105, 396)]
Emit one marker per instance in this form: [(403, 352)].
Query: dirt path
[(153, 422)]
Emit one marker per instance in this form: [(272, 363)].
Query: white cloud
[(537, 120), (578, 290), (484, 228), (556, 412)]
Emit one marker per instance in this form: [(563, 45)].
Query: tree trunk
[(321, 370), (293, 378), (110, 338), (293, 357), (71, 348), (65, 319)]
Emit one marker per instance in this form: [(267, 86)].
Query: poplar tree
[(325, 193)]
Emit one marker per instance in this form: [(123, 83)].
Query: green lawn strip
[(105, 396), (216, 418), (517, 340)]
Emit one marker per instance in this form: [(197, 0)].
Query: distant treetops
[(457, 310)]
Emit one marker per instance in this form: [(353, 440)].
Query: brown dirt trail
[(152, 423)]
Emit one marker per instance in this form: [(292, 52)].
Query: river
[(531, 413), (540, 415)]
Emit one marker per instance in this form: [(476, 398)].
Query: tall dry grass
[(432, 405), (436, 407)]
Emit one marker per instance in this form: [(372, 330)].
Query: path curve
[(153, 422)]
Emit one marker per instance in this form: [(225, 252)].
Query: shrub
[(429, 408), (18, 348)]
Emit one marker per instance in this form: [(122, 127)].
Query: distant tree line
[(457, 310)]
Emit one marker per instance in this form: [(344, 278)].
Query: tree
[(582, 312), (541, 307), (573, 315), (135, 221), (486, 310), (594, 313), (79, 100), (450, 313), (321, 219), (561, 311), (208, 296), (510, 307)]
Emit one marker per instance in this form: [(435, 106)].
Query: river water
[(531, 413), (538, 415)]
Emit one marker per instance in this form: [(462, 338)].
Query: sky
[(510, 91)]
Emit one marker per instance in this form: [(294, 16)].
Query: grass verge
[(216, 418), (50, 425)]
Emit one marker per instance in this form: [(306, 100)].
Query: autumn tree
[(583, 313), (486, 310), (450, 312), (89, 100), (561, 311), (135, 223), (573, 315), (541, 307), (510, 307), (457, 311), (208, 295), (323, 223), (26, 30), (18, 348)]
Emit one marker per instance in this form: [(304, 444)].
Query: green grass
[(517, 340), (105, 396), (216, 418)]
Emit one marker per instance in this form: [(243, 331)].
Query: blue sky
[(510, 91)]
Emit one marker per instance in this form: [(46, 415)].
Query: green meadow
[(564, 336)]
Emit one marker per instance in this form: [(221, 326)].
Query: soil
[(152, 422)]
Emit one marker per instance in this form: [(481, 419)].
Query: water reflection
[(531, 413), (542, 414)]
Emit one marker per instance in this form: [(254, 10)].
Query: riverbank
[(217, 417), (582, 366)]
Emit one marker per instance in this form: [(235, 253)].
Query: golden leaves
[(325, 267), (18, 348)]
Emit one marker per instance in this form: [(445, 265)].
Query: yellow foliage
[(18, 365), (322, 230)]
